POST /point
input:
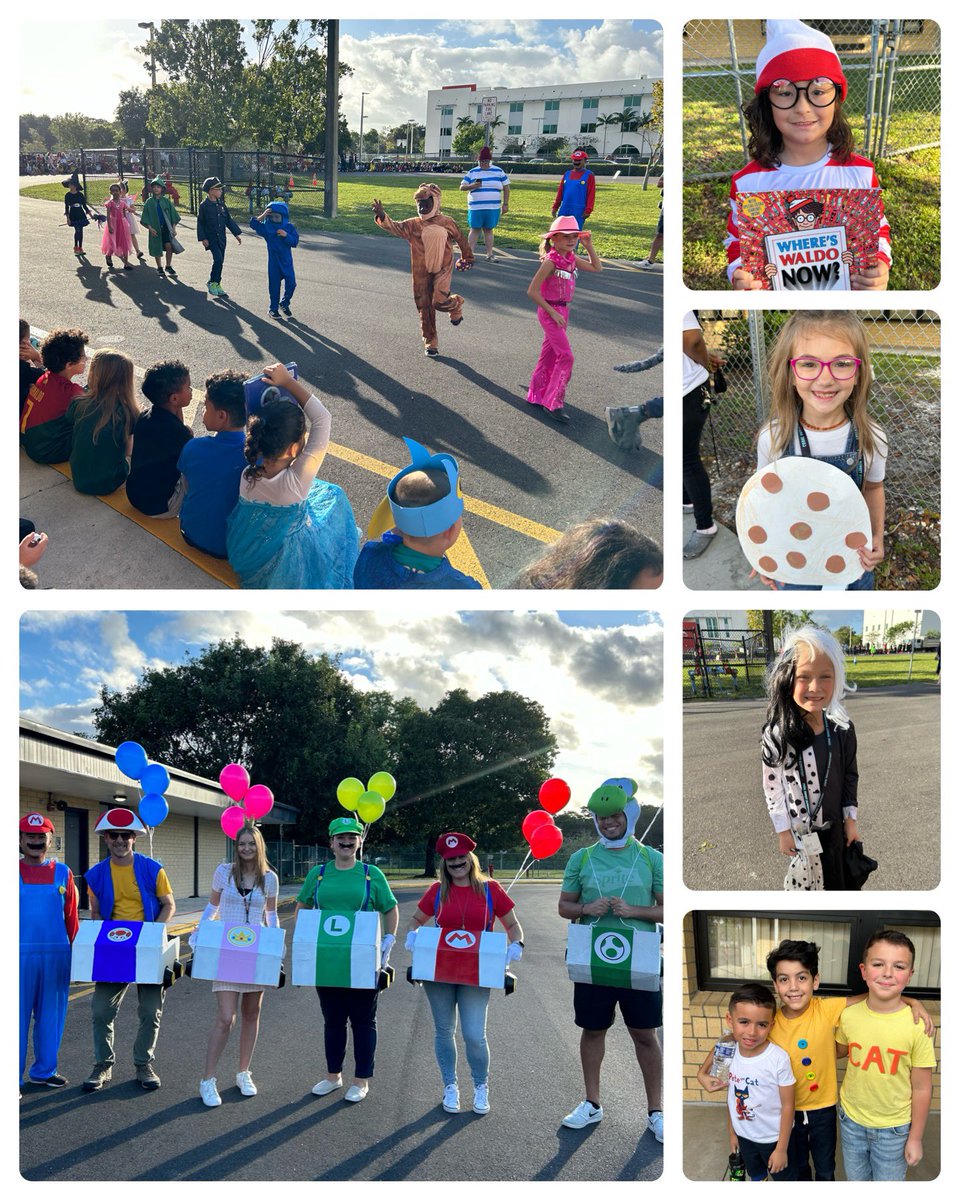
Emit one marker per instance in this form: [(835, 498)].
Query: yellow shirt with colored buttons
[(810, 1041), (127, 905)]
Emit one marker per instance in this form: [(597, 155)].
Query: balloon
[(235, 781), (153, 809), (545, 841), (231, 820), (155, 779), (258, 801), (383, 783), (370, 807), (131, 758), (349, 791), (534, 821), (553, 794)]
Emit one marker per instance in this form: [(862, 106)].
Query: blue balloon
[(154, 778), (153, 809), (131, 758)]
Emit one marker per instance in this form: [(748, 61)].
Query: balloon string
[(519, 873)]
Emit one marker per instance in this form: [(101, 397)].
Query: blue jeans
[(445, 999), (873, 1154), (863, 584)]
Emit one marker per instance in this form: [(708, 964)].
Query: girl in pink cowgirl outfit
[(551, 289)]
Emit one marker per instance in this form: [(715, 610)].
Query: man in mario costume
[(126, 886), (577, 190), (48, 924)]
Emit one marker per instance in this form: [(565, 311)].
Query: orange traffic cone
[(290, 183), (314, 180)]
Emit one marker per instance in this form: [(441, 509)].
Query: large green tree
[(131, 115), (71, 131), (204, 62)]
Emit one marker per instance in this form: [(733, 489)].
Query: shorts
[(660, 226), (595, 1005), (755, 1157), (483, 218)]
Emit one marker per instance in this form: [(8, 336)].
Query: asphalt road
[(356, 339), (728, 840), (398, 1132)]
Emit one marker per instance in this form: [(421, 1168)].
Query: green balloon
[(349, 791), (370, 807), (384, 784)]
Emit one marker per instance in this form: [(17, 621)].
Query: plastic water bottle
[(722, 1058), (736, 1169)]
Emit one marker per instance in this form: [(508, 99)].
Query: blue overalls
[(574, 200), (44, 970), (851, 463)]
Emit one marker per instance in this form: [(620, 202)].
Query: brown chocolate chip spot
[(768, 563), (757, 533), (801, 531), (835, 564), (796, 560), (818, 501), (772, 483), (855, 540)]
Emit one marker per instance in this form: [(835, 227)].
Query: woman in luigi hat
[(347, 885)]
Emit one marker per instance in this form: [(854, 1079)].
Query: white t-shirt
[(753, 1096), (693, 372), (828, 443)]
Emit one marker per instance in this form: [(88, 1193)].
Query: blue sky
[(597, 675)]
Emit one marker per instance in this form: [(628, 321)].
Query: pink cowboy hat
[(562, 225)]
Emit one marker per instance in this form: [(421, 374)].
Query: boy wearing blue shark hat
[(419, 520), (280, 234)]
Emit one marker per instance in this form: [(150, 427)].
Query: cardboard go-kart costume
[(431, 236)]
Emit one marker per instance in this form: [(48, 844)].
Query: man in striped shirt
[(488, 196)]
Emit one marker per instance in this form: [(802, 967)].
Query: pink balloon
[(534, 821), (235, 781), (258, 801), (545, 841), (231, 820), (553, 794)]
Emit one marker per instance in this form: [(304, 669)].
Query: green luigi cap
[(345, 825), (608, 799), (158, 182)]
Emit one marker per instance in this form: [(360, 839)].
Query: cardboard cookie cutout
[(802, 521)]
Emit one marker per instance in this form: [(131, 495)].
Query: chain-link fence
[(892, 69), (717, 663), (904, 401)]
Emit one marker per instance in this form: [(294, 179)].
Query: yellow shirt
[(127, 905), (809, 1040), (883, 1048)]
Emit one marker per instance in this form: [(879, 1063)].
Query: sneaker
[(208, 1092), (273, 313), (220, 291), (128, 267), (161, 272), (147, 1077), (431, 351), (211, 287), (285, 309), (583, 1115), (688, 508), (451, 1098), (458, 321), (102, 1073), (481, 1099), (655, 1124), (646, 263), (142, 257), (51, 1081), (325, 1087), (245, 1083), (355, 1094), (171, 271), (697, 542)]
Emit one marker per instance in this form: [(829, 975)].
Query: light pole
[(362, 94), (153, 65), (913, 640), (410, 125)]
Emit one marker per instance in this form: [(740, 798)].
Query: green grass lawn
[(623, 222), (878, 670)]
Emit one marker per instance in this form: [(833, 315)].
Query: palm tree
[(609, 119)]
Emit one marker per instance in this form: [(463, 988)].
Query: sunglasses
[(821, 93), (120, 836)]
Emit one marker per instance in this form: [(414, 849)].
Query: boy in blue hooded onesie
[(280, 234)]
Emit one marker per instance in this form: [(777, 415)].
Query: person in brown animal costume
[(431, 236)]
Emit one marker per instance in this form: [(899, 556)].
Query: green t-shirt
[(98, 467), (635, 873), (343, 891)]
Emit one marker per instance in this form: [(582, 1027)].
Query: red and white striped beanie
[(795, 51)]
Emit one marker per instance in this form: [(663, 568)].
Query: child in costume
[(577, 191), (280, 234), (213, 221), (809, 751), (800, 138), (116, 231), (48, 925), (130, 206), (431, 236), (289, 528), (77, 210), (103, 421), (551, 290), (45, 432), (426, 506), (161, 218)]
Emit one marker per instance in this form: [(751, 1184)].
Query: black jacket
[(213, 221)]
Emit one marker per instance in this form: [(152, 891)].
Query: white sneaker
[(451, 1098), (208, 1092), (481, 1099), (325, 1087), (245, 1083), (583, 1115), (655, 1124), (355, 1094)]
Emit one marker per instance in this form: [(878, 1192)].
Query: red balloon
[(534, 821), (553, 794), (545, 841)]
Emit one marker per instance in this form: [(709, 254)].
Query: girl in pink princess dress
[(551, 289), (116, 231)]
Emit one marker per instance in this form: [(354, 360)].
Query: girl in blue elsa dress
[(290, 529)]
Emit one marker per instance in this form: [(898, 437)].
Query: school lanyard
[(802, 776), (852, 444)]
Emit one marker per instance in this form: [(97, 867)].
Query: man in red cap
[(126, 886), (48, 924), (575, 195)]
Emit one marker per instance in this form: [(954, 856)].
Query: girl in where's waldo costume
[(551, 289)]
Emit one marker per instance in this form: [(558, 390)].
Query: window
[(551, 106), (516, 107), (632, 101), (514, 130), (446, 130), (591, 102), (549, 129), (588, 127)]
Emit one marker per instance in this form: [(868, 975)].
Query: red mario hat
[(579, 156), (120, 820), (453, 845), (36, 823)]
